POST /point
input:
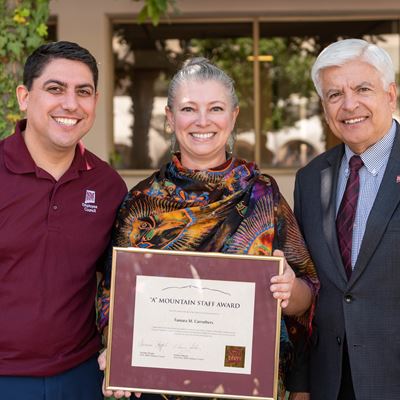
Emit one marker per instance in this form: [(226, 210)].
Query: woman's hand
[(294, 293), (282, 285), (108, 393)]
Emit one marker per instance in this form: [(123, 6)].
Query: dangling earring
[(168, 130), (173, 148), (230, 143)]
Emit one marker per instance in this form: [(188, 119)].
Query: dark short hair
[(44, 54)]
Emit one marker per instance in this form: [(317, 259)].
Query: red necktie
[(347, 213)]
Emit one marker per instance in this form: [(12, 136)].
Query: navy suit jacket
[(365, 309)]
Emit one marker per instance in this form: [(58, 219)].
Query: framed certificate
[(193, 324)]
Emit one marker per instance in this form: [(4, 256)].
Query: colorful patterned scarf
[(232, 209)]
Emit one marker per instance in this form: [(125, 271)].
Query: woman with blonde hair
[(205, 199)]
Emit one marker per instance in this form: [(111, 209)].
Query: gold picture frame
[(172, 331)]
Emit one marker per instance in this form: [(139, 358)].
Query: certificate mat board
[(193, 324)]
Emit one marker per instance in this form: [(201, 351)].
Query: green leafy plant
[(22, 29), (153, 9)]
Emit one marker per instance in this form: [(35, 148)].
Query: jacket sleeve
[(299, 329), (297, 378)]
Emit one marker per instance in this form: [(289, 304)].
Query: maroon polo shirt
[(52, 238)]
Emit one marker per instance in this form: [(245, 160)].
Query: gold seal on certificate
[(200, 324), (234, 356)]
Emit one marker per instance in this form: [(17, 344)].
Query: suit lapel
[(386, 201), (329, 178)]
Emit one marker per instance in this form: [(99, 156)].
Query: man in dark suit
[(347, 204)]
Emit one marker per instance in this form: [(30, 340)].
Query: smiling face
[(203, 118), (357, 108), (60, 106)]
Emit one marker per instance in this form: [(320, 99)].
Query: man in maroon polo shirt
[(57, 206)]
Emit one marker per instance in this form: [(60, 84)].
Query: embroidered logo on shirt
[(90, 196), (90, 200)]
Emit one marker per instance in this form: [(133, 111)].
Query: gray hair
[(344, 51), (199, 68)]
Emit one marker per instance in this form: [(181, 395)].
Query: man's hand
[(118, 394), (299, 396)]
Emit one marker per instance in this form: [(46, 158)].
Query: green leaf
[(142, 17), (155, 9), (33, 42), (42, 30), (11, 36), (15, 47), (3, 41), (22, 32), (152, 10), (160, 5), (24, 12), (156, 19)]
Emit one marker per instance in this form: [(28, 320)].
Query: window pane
[(293, 130), (391, 43), (146, 58), (293, 126)]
